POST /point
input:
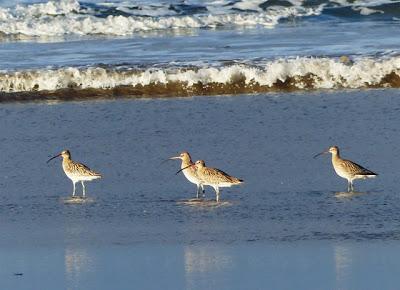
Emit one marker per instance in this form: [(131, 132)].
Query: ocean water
[(255, 88), (287, 195), (291, 216), (155, 48)]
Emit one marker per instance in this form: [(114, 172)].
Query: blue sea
[(169, 48), (254, 88)]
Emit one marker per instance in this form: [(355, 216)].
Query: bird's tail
[(365, 176), (238, 181), (96, 175)]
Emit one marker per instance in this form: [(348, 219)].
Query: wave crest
[(69, 17), (251, 77)]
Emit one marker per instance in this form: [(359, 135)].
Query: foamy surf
[(70, 17), (301, 73)]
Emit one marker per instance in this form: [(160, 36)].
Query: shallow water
[(304, 265), (291, 217), (287, 195)]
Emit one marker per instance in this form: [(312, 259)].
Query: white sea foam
[(367, 11), (325, 73), (68, 17), (365, 7)]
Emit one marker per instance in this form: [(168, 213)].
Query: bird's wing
[(84, 170), (357, 169), (219, 175)]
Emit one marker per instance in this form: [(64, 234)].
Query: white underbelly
[(222, 184), (191, 177), (77, 177), (342, 173), (225, 184)]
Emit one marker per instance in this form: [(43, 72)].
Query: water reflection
[(206, 203), (76, 200), (346, 194), (77, 263), (200, 261), (77, 260), (343, 261)]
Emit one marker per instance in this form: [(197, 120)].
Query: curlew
[(214, 177), (75, 171), (347, 169), (187, 166)]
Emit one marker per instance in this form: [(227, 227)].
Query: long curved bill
[(53, 157), (171, 158), (184, 168), (324, 152)]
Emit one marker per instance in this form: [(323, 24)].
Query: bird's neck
[(186, 163), (66, 160), (335, 157)]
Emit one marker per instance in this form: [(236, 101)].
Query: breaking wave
[(237, 77), (70, 17)]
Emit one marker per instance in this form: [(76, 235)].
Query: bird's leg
[(352, 186), (203, 191), (217, 193), (197, 192), (348, 186), (83, 188), (73, 192)]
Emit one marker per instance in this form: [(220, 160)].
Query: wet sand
[(290, 224)]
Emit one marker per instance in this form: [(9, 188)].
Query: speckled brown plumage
[(188, 169), (76, 171), (215, 177), (348, 169)]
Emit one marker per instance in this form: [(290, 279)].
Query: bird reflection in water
[(77, 264), (203, 261)]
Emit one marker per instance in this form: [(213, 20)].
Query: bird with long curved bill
[(347, 169), (189, 171), (75, 171), (213, 177)]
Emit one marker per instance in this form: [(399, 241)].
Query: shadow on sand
[(198, 202), (76, 200)]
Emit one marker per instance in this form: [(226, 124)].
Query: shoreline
[(171, 92)]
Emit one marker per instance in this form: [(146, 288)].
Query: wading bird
[(189, 171), (347, 169), (75, 171), (213, 177)]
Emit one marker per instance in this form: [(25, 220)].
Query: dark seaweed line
[(179, 89)]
